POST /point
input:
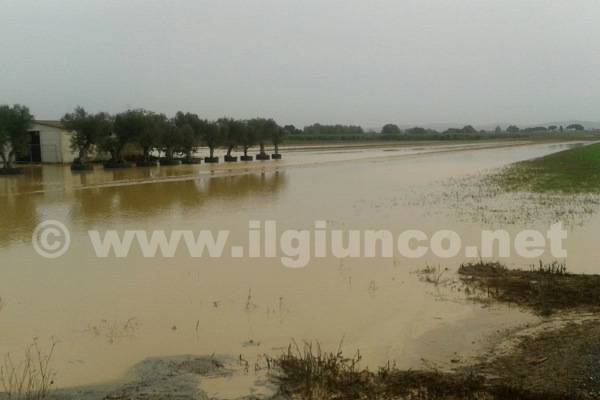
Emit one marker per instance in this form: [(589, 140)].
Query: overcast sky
[(332, 61)]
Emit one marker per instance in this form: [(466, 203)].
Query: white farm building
[(50, 143)]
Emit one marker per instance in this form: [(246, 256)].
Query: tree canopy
[(575, 127), (390, 129), (15, 122)]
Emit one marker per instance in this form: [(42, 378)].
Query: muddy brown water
[(109, 314)]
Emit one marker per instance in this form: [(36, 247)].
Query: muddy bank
[(556, 359), (552, 363), (545, 288), (178, 377)]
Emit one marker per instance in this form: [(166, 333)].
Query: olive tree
[(264, 130), (15, 122), (139, 127), (190, 133), (111, 139), (247, 137), (233, 135), (171, 137), (85, 128), (277, 136), (212, 134)]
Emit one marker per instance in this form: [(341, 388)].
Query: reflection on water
[(109, 314), (21, 213)]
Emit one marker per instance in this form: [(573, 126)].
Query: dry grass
[(433, 275), (30, 379), (309, 373)]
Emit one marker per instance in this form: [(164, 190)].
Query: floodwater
[(107, 314)]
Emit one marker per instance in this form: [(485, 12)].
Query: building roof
[(50, 123)]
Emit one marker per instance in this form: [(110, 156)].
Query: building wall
[(55, 144), (67, 154)]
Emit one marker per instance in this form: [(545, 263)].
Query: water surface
[(109, 314)]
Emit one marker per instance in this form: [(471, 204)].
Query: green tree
[(512, 129), (575, 127), (138, 127), (469, 129), (172, 137), (264, 129), (190, 133), (86, 133), (110, 140), (234, 132), (390, 129), (292, 130), (15, 122), (212, 134), (277, 137), (166, 135), (248, 136)]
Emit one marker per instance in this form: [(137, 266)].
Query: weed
[(311, 373), (545, 288), (32, 378)]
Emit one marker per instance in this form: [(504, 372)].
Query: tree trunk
[(245, 151), (262, 148), (212, 152), (115, 152), (4, 161), (9, 161), (276, 148), (229, 150), (82, 156)]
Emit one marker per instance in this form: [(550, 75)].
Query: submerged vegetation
[(545, 288), (310, 373), (575, 170), (29, 379)]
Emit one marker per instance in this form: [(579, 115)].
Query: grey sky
[(350, 61)]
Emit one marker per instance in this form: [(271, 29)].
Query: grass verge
[(576, 170)]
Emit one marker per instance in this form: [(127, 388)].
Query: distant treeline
[(318, 132)]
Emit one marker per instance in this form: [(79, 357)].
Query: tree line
[(176, 139), (143, 136), (392, 131)]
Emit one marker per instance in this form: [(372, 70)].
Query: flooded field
[(109, 314)]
